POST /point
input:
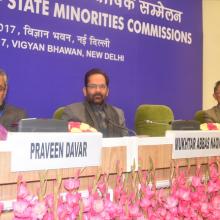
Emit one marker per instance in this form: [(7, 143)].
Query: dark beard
[(91, 99)]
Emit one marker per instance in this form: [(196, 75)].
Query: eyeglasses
[(95, 86), (2, 89)]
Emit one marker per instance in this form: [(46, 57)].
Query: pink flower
[(101, 185), (105, 215), (160, 196), (161, 212), (97, 217), (141, 218), (197, 197), (215, 215), (212, 126), (173, 211), (39, 210), (73, 199), (123, 198), (111, 208), (204, 209), (145, 203), (196, 201), (87, 203), (77, 127), (119, 209), (98, 205), (171, 202), (213, 172), (71, 184), (49, 200), (134, 210), (196, 181), (181, 179), (213, 186), (124, 217), (21, 209), (73, 124), (170, 216), (117, 192), (67, 212), (48, 216), (86, 216), (72, 216), (183, 194), (149, 192), (22, 191), (216, 202)]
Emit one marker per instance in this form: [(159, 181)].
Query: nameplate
[(189, 144), (43, 151)]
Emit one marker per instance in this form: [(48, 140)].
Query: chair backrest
[(58, 113), (200, 116), (153, 120)]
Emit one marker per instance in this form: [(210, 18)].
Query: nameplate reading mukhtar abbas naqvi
[(49, 150)]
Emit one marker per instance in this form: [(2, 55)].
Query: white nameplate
[(43, 151), (189, 144)]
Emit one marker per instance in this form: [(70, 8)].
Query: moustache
[(98, 95)]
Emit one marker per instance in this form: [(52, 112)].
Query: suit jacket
[(212, 115), (77, 112), (11, 116)]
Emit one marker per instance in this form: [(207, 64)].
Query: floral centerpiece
[(210, 126), (77, 127), (195, 198)]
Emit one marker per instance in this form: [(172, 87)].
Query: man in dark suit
[(213, 114), (9, 115), (94, 110)]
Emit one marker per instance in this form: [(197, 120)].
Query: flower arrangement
[(135, 197), (210, 126), (77, 127)]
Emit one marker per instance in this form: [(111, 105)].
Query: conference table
[(125, 152)]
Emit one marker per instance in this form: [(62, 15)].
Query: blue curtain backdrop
[(152, 51)]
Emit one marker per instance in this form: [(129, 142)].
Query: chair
[(58, 113), (153, 120), (200, 116)]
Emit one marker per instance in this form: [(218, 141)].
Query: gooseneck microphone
[(121, 127), (157, 123), (178, 124)]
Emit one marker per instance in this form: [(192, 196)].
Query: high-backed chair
[(153, 120), (58, 113), (200, 116)]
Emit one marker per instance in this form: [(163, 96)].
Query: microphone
[(178, 124), (121, 127), (157, 123)]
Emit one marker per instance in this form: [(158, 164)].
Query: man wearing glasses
[(213, 115), (107, 119), (9, 115)]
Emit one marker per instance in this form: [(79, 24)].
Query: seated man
[(9, 115), (94, 110), (213, 114)]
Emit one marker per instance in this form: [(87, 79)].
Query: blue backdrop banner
[(152, 51)]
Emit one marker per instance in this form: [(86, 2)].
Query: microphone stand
[(157, 123), (121, 127)]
